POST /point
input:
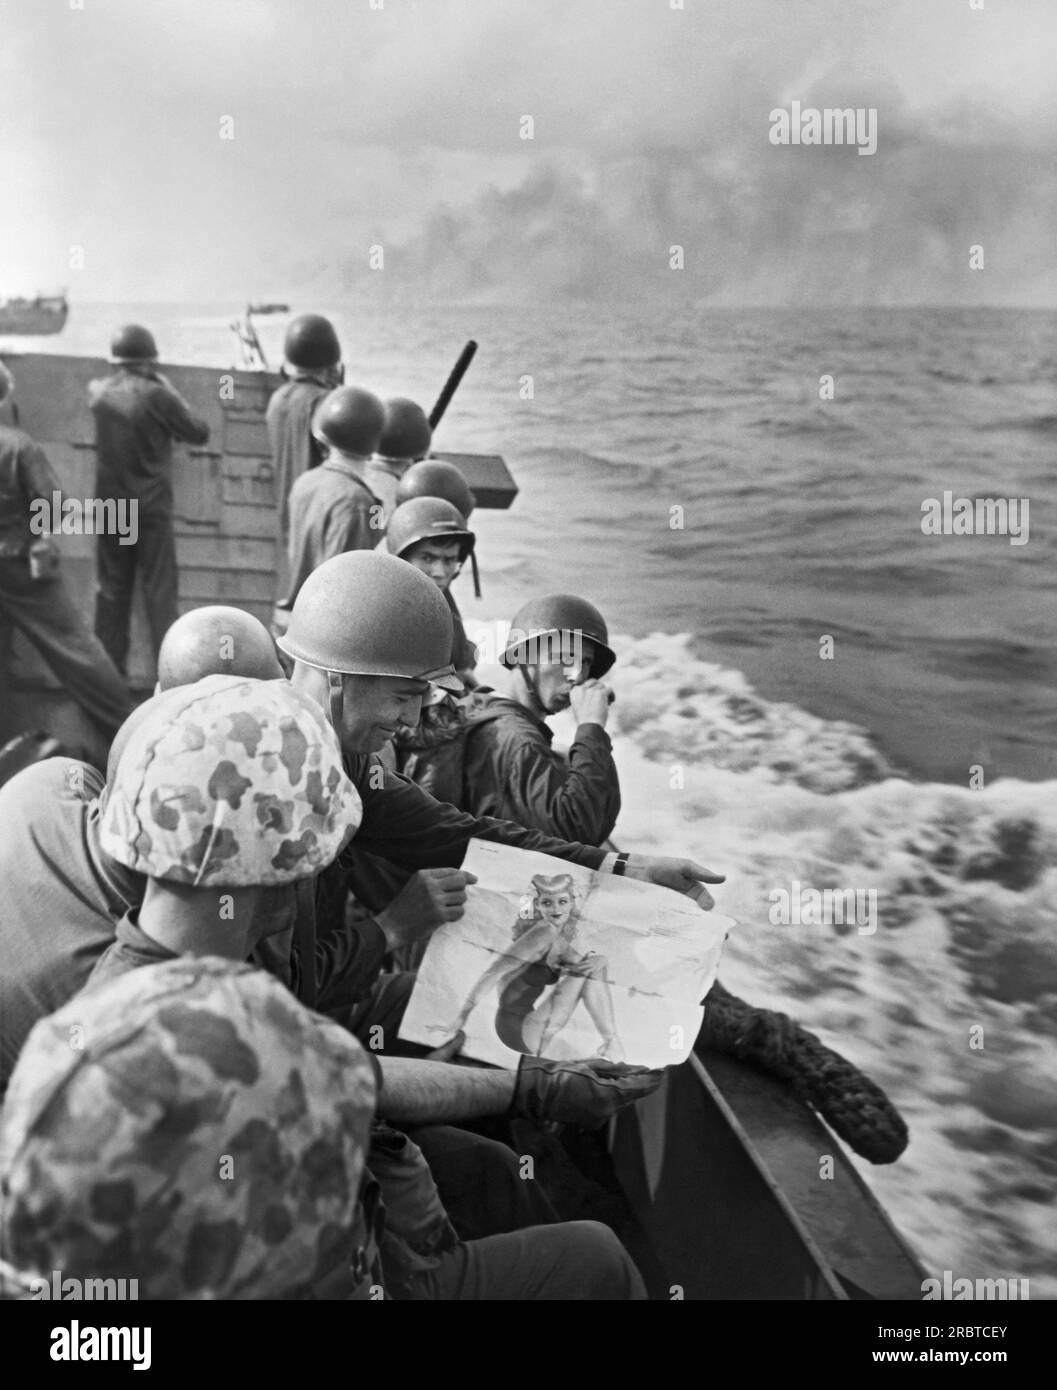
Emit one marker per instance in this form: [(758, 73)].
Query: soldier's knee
[(607, 1270)]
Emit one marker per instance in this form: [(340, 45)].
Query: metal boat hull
[(723, 1169)]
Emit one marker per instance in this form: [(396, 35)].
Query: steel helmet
[(109, 1148), (558, 615), (133, 343), (407, 433), (230, 783), (350, 419), (216, 641), (427, 518), (436, 478), (368, 614), (311, 342)]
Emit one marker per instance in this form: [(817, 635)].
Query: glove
[(581, 1093)]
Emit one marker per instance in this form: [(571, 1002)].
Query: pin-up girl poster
[(546, 973)]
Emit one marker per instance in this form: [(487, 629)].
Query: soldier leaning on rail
[(34, 596)]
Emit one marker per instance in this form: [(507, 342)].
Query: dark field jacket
[(511, 771)]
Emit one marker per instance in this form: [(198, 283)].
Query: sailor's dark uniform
[(44, 609), (512, 772), (294, 451), (137, 417), (330, 510)]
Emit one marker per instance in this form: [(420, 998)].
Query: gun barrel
[(452, 384)]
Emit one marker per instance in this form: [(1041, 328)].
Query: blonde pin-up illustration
[(546, 973)]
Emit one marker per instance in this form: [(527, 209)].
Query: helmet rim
[(444, 676), (448, 525), (584, 619), (366, 613)]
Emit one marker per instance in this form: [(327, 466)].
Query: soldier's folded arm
[(582, 1093), (348, 963), (577, 802), (179, 420)]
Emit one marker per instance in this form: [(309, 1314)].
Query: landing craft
[(43, 315), (721, 1166)]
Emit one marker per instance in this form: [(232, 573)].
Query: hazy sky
[(399, 126)]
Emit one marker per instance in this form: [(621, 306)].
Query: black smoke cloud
[(758, 224)]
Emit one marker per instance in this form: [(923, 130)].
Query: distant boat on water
[(44, 314)]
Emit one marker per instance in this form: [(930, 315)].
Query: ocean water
[(797, 519)]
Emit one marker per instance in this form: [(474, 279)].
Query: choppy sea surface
[(920, 761)]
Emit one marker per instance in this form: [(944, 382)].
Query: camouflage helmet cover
[(189, 1125), (230, 782)]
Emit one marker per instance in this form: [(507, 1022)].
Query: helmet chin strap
[(532, 686), (337, 690)]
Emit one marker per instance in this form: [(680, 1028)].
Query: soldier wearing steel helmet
[(138, 414), (331, 508), (557, 657), (216, 640), (432, 535), (405, 438), (313, 368), (230, 786), (437, 478)]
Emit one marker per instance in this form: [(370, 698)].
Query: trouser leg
[(573, 1261), (157, 565), (115, 577), (47, 614), (486, 1188)]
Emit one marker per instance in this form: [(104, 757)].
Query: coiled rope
[(851, 1104)]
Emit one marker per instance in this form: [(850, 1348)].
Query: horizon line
[(374, 300)]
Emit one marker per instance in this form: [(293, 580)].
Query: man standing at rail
[(330, 508), (138, 414), (313, 369)]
